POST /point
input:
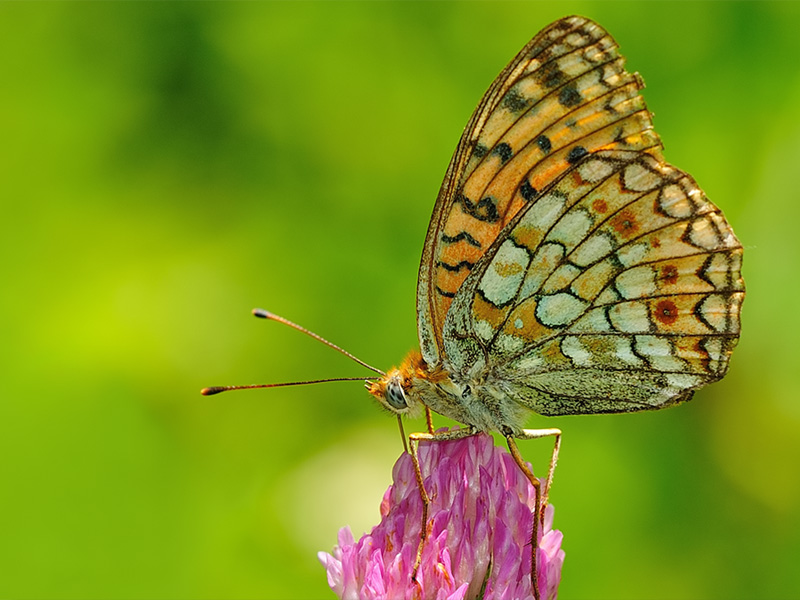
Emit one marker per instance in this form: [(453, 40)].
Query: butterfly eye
[(395, 395)]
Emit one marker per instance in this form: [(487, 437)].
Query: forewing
[(564, 95), (618, 288)]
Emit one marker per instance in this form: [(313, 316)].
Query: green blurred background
[(166, 167)]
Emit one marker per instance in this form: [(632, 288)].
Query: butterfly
[(567, 268)]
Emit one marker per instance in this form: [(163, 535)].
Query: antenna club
[(261, 313), (210, 391)]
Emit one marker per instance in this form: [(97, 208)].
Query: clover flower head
[(479, 529)]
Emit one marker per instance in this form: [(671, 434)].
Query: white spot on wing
[(595, 170), (624, 352), (658, 353), (504, 275), (714, 309), (575, 39), (592, 249), (572, 348), (638, 282), (630, 317), (639, 179), (593, 321), (571, 229), (529, 363), (509, 344), (484, 330), (631, 254), (683, 381), (607, 296), (544, 211), (559, 309), (703, 235), (673, 202), (713, 347), (720, 267)]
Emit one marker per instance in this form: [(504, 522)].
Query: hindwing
[(618, 288)]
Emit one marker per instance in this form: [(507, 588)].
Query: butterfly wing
[(564, 95), (617, 289)]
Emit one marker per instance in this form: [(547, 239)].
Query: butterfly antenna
[(265, 314), (210, 391)]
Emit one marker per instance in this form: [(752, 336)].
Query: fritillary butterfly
[(567, 268)]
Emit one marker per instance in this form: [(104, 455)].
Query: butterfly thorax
[(473, 399)]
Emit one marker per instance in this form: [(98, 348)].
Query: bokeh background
[(166, 167)]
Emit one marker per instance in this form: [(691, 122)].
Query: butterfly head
[(395, 390)]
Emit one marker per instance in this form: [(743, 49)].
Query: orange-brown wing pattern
[(565, 95), (619, 288)]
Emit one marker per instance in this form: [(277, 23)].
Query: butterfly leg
[(429, 419), (540, 496), (414, 440), (532, 434)]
